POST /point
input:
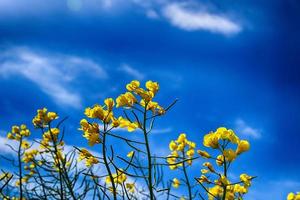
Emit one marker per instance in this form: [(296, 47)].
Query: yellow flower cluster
[(29, 155), (17, 132), (293, 196), (43, 118), (220, 139), (90, 160), (212, 140), (118, 178), (49, 136), (103, 113), (181, 146), (90, 132), (128, 99)]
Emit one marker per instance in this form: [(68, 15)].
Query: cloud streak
[(132, 72), (243, 128), (183, 18), (53, 74)]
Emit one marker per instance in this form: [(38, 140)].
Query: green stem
[(107, 165), (20, 168), (150, 186), (186, 177)]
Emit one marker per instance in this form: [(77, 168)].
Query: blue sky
[(230, 63)]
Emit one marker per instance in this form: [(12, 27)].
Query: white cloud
[(52, 73), (152, 14), (132, 72), (189, 20), (243, 128), (162, 130)]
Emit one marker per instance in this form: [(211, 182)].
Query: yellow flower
[(211, 140), (152, 86), (90, 132), (182, 138), (209, 166), (220, 160), (130, 187), (133, 85), (240, 189), (203, 179), (204, 154), (215, 191), (90, 159), (172, 145), (126, 100), (43, 117), (10, 136), (175, 183), (243, 146), (52, 116), (125, 123), (130, 154), (190, 153), (25, 144), (246, 179), (291, 196), (229, 154), (109, 102), (29, 155)]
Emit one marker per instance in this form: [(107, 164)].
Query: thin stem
[(186, 177), (107, 165), (20, 167), (150, 186)]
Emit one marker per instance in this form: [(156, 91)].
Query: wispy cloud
[(152, 14), (132, 71), (52, 73), (190, 20), (243, 128)]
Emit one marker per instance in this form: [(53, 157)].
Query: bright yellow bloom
[(130, 187), (229, 154), (125, 123), (43, 117), (203, 179), (118, 178), (25, 144), (211, 140), (209, 166), (86, 155), (17, 132), (243, 146), (215, 191), (109, 102), (152, 86), (220, 160), (204, 154), (246, 179), (175, 183), (90, 132), (240, 189), (172, 146), (126, 100), (182, 138), (133, 85), (190, 153), (130, 154), (292, 196), (29, 155)]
